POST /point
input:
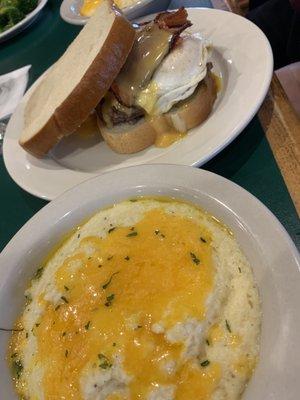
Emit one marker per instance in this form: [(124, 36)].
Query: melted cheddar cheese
[(158, 271)]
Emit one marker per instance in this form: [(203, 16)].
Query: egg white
[(177, 76)]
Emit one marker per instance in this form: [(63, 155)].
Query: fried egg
[(150, 299), (177, 76)]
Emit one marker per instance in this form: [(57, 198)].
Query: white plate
[(70, 10), (24, 23), (242, 55), (264, 241)]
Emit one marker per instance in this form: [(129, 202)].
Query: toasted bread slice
[(131, 138), (77, 81)]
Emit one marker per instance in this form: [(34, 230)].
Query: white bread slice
[(78, 80), (131, 138)]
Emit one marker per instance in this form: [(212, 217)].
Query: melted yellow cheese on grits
[(112, 315)]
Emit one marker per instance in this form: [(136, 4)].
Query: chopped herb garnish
[(157, 232), (109, 300), (38, 273), (195, 259), (66, 353), (11, 330), (66, 288), (105, 365), (204, 363), (111, 230), (28, 298), (127, 258), (17, 368), (131, 234), (87, 326), (26, 335), (104, 361), (64, 333), (64, 299), (109, 281), (207, 342), (139, 326), (109, 258), (14, 355), (114, 344), (100, 265), (202, 240), (37, 325), (132, 228), (133, 200), (78, 236), (240, 270), (228, 326), (89, 258), (57, 307)]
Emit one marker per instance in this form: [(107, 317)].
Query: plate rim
[(44, 193)]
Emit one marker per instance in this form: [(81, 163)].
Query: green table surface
[(248, 161)]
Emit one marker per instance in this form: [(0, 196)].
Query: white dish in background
[(262, 238), (70, 10), (246, 67), (24, 23)]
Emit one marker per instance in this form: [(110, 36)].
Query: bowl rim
[(232, 200)]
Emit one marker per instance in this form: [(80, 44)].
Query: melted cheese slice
[(156, 272)]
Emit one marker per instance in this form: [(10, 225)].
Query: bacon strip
[(173, 20)]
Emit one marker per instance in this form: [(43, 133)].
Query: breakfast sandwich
[(151, 299), (149, 84), (164, 89)]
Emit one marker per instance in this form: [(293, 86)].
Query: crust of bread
[(196, 108), (89, 91), (128, 138), (131, 138)]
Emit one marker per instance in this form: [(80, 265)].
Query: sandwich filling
[(164, 67)]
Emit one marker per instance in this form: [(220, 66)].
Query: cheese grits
[(150, 299)]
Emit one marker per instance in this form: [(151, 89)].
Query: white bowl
[(24, 23), (70, 10), (272, 254)]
